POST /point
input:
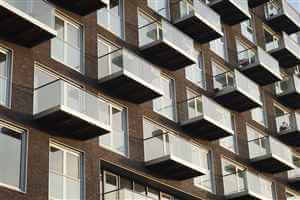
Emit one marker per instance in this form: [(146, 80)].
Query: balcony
[(198, 21), (286, 51), (256, 3), (71, 112), (166, 46), (247, 186), (266, 151), (280, 16), (26, 22), (288, 91), (231, 11), (125, 194), (259, 66), (288, 128), (174, 157), (294, 178), (81, 7), (236, 92), (127, 76), (205, 119)]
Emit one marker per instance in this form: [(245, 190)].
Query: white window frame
[(9, 66), (23, 161), (211, 173), (110, 51), (111, 134), (196, 68), (109, 16), (65, 60), (168, 15), (264, 113), (276, 40), (249, 25), (66, 150), (175, 119), (234, 137), (237, 168)]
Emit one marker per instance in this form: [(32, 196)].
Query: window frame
[(168, 9), (111, 134), (9, 67), (200, 66), (122, 19), (175, 114), (23, 158), (78, 26), (81, 179), (234, 136), (237, 168)]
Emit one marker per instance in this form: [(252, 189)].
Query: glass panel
[(10, 147), (258, 115), (271, 42), (160, 6), (110, 182), (56, 185), (104, 61), (56, 160), (72, 190), (111, 17), (165, 104), (73, 166)]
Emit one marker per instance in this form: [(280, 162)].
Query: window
[(118, 188), (284, 119), (222, 77), (117, 140), (195, 73), (246, 55), (206, 181), (111, 17), (5, 77), (272, 8), (110, 63), (149, 29), (219, 47), (13, 148), (160, 6), (65, 173), (247, 30), (194, 104), (67, 47), (257, 142), (165, 105), (259, 115), (271, 40), (233, 177), (230, 142)]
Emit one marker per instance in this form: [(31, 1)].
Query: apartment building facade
[(149, 100)]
